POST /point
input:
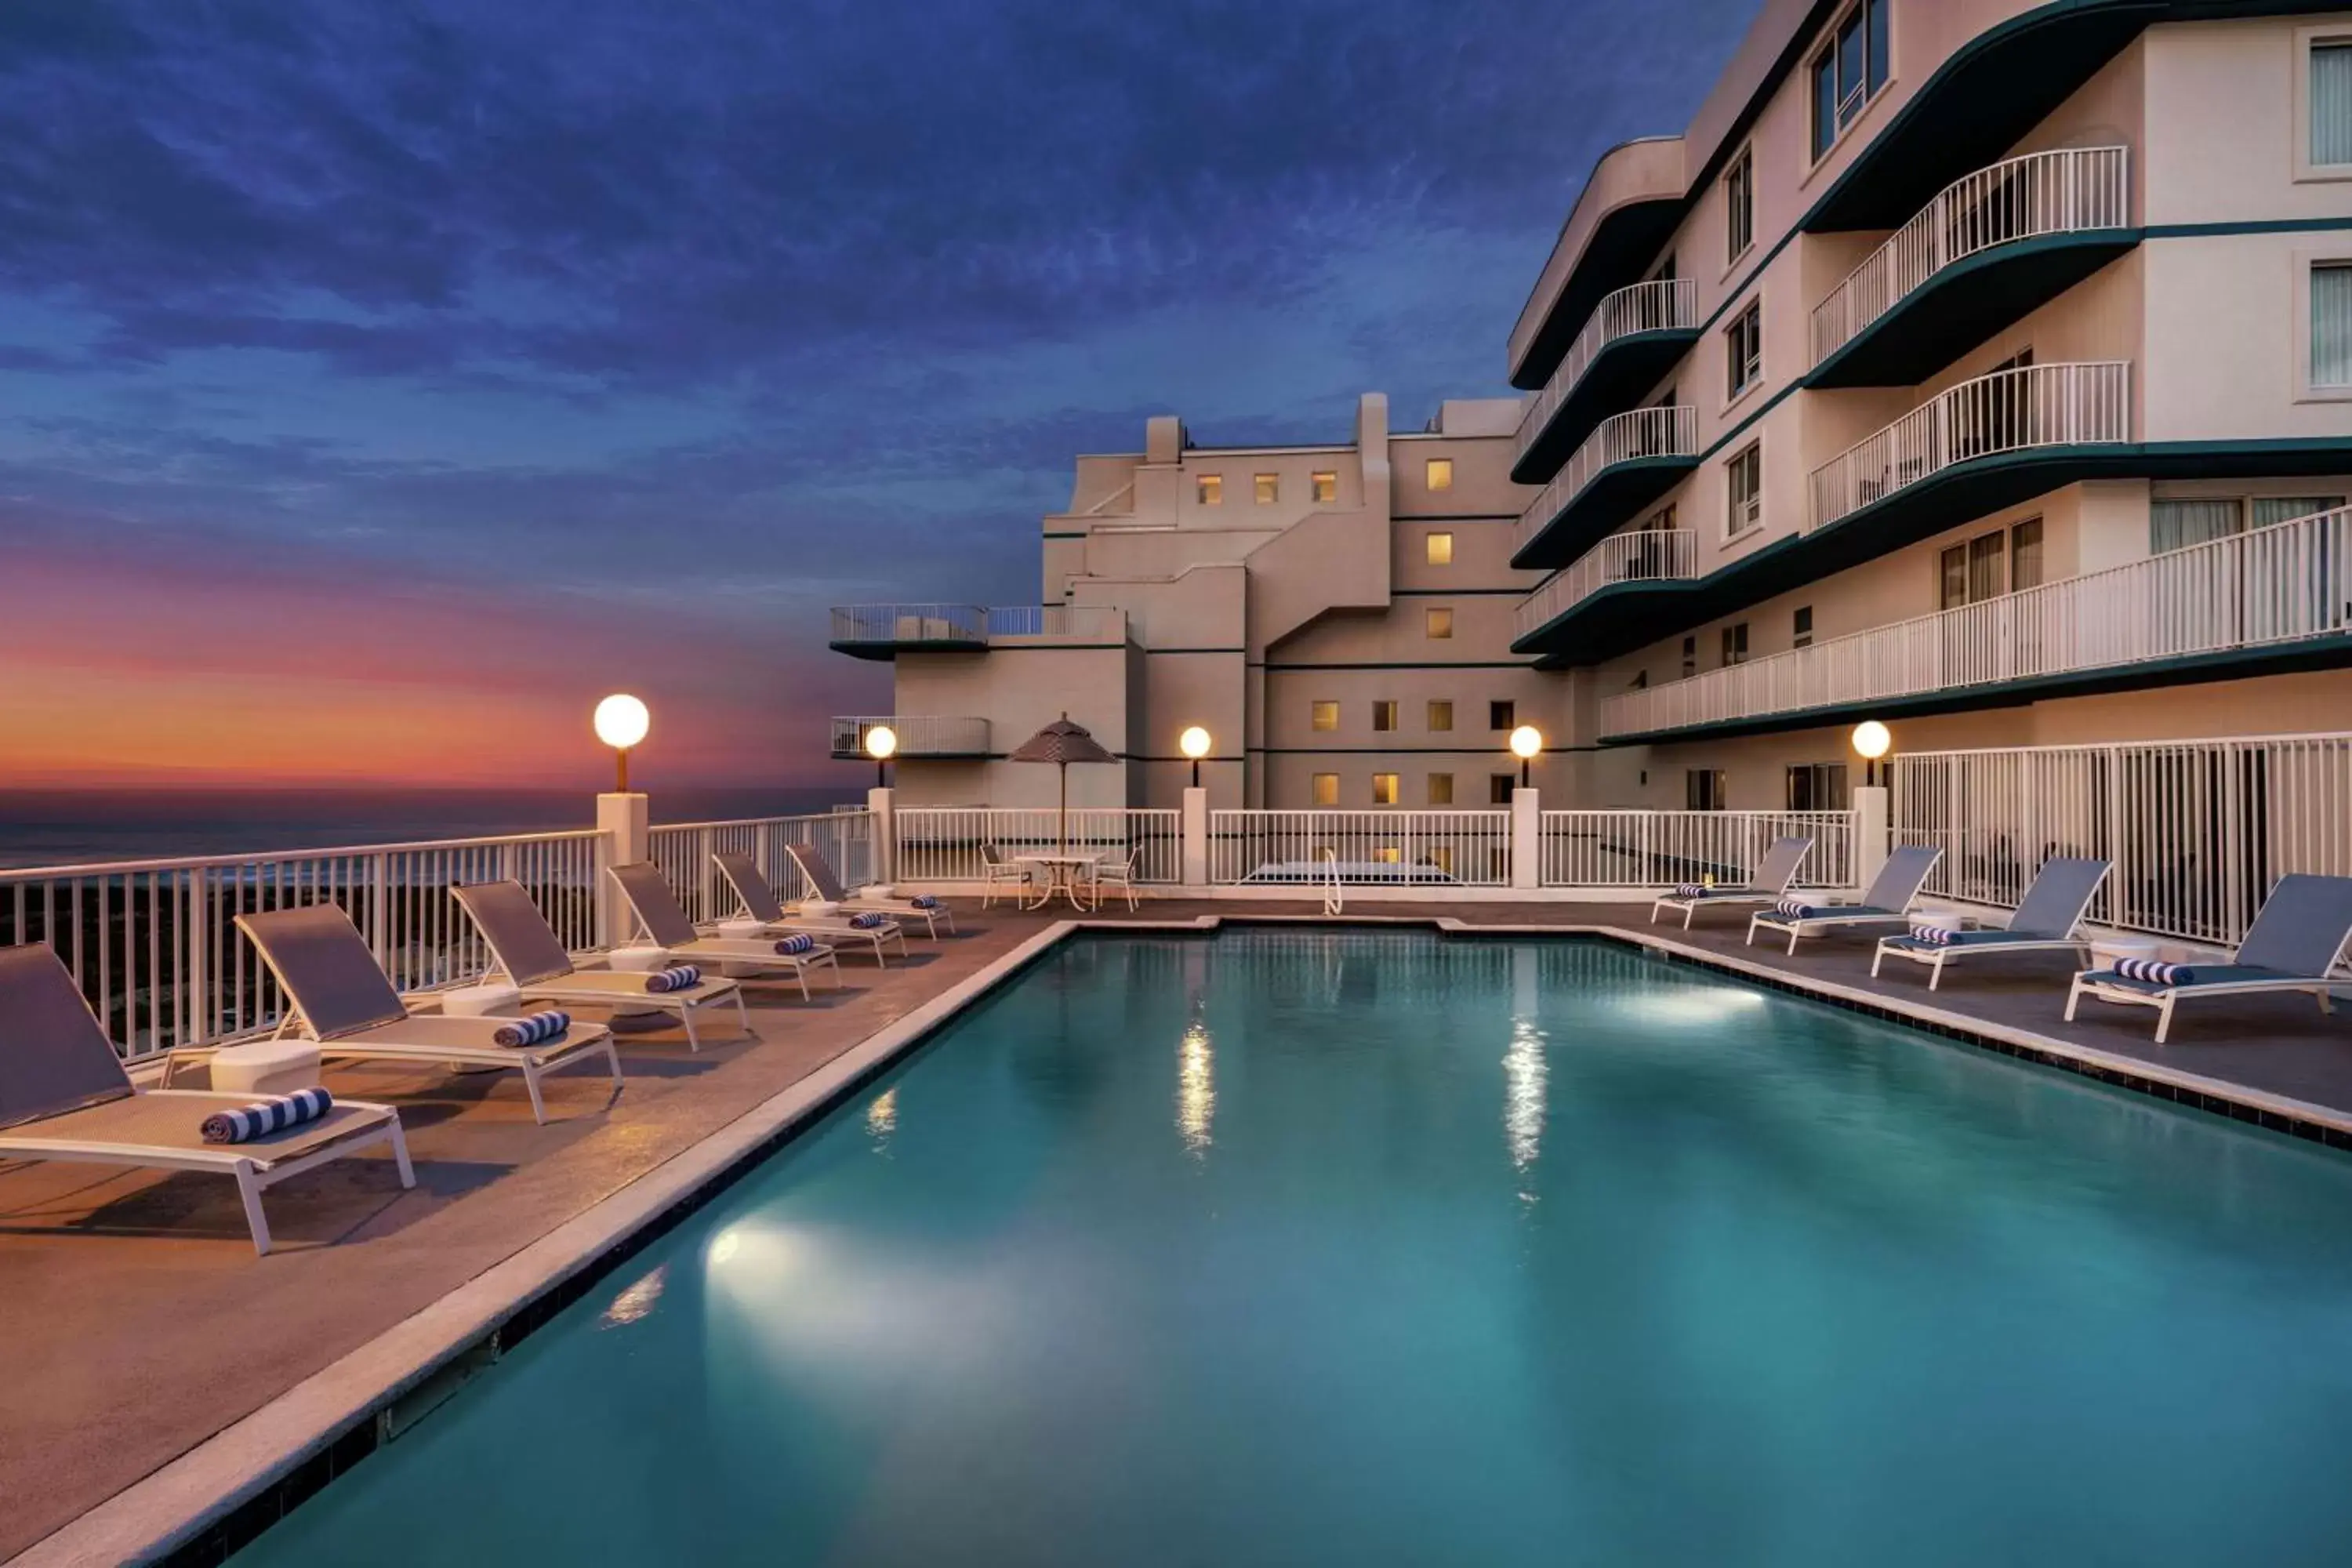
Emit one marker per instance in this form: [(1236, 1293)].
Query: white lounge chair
[(658, 910), (64, 1095), (819, 871), (759, 903), (533, 958), (2049, 919), (337, 996), (1775, 874), (2293, 945), (1887, 901)]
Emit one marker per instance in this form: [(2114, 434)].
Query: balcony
[(885, 631), (919, 735), (1632, 340), (1547, 619), (1990, 247), (1629, 460), (2277, 598)]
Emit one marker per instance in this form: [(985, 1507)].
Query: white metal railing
[(2199, 830), (1668, 432), (1047, 620), (919, 735), (946, 844), (2007, 411), (975, 623), (155, 948), (1661, 849), (2277, 584), (1643, 555), (1437, 848), (683, 851), (1664, 305), (2072, 190)]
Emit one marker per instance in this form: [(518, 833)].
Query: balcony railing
[(2077, 190), (2007, 411), (1668, 432), (919, 735), (1645, 555), (2278, 584), (916, 625), (1665, 305)]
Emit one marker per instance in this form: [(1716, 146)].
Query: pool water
[(1295, 1246)]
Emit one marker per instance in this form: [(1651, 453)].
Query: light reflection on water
[(1196, 1087), (1524, 1075), (882, 1118)]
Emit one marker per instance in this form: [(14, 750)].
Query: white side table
[(266, 1066), (2106, 950), (480, 1000), (638, 960)]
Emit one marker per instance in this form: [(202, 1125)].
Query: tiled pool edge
[(220, 1495)]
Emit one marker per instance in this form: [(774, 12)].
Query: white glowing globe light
[(1193, 742), (881, 742), (622, 721), (1872, 739), (1526, 741)]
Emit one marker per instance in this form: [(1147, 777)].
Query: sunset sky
[(380, 384)]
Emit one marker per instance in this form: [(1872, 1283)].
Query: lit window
[(1499, 787), (1502, 716), (1744, 483), (1849, 71), (2331, 327), (1269, 489), (1804, 628), (1326, 486), (1440, 789), (1441, 473), (1440, 716), (1439, 623), (1384, 789), (1326, 789), (1739, 206), (1441, 550), (1209, 489), (2331, 103), (1387, 854), (1743, 348), (1326, 716), (1385, 716)]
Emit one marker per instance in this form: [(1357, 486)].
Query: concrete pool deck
[(138, 1324)]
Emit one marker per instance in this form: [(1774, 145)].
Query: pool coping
[(224, 1491)]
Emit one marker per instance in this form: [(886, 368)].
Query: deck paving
[(135, 1321)]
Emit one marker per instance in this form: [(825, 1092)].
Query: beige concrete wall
[(1019, 690), (2229, 333)]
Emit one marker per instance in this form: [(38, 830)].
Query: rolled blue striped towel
[(533, 1029), (868, 921), (1689, 890), (264, 1116), (924, 901), (1934, 936), (1795, 909), (795, 944), (2154, 972), (677, 978)]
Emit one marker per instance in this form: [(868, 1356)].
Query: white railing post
[(199, 917), (880, 801), (1870, 819), (1526, 837), (1195, 833), (623, 839)]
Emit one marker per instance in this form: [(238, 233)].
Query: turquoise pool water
[(1358, 1248)]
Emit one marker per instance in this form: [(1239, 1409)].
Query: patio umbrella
[(1062, 743)]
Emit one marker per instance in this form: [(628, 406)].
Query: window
[(1326, 716), (1743, 350), (1744, 481), (1209, 489), (1326, 789), (1991, 564), (1385, 716), (2331, 327), (2273, 509), (1818, 786), (1384, 789), (1441, 550), (1441, 473), (1499, 787), (1735, 644), (2330, 127), (2176, 522), (1440, 789), (1739, 206), (1849, 71), (1502, 716), (1690, 658), (2025, 555), (1440, 716), (1324, 486), (1269, 489), (1703, 789), (1438, 623), (1801, 628)]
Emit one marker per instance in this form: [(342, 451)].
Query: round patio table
[(1064, 872)]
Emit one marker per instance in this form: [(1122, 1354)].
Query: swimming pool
[(1296, 1245)]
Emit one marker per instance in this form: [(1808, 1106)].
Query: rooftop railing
[(918, 735), (1643, 555), (1663, 849), (974, 625), (2007, 411), (1660, 306), (1667, 432), (2078, 189), (684, 850)]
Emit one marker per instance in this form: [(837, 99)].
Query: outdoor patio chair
[(1119, 876), (2293, 945), (998, 869), (1774, 876), (339, 998), (666, 922), (64, 1095), (534, 959), (819, 874), (1887, 901), (2047, 919), (759, 903)]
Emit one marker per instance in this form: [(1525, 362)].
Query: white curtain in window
[(2178, 525), (2331, 326), (2269, 509), (2331, 103)]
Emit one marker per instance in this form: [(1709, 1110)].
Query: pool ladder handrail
[(1334, 900)]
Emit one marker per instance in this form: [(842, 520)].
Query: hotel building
[(1980, 366)]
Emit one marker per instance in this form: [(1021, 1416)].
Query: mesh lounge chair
[(2293, 945), (1887, 901), (342, 1000), (658, 910), (761, 903), (533, 957), (64, 1096), (2049, 918), (820, 875), (1773, 875)]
